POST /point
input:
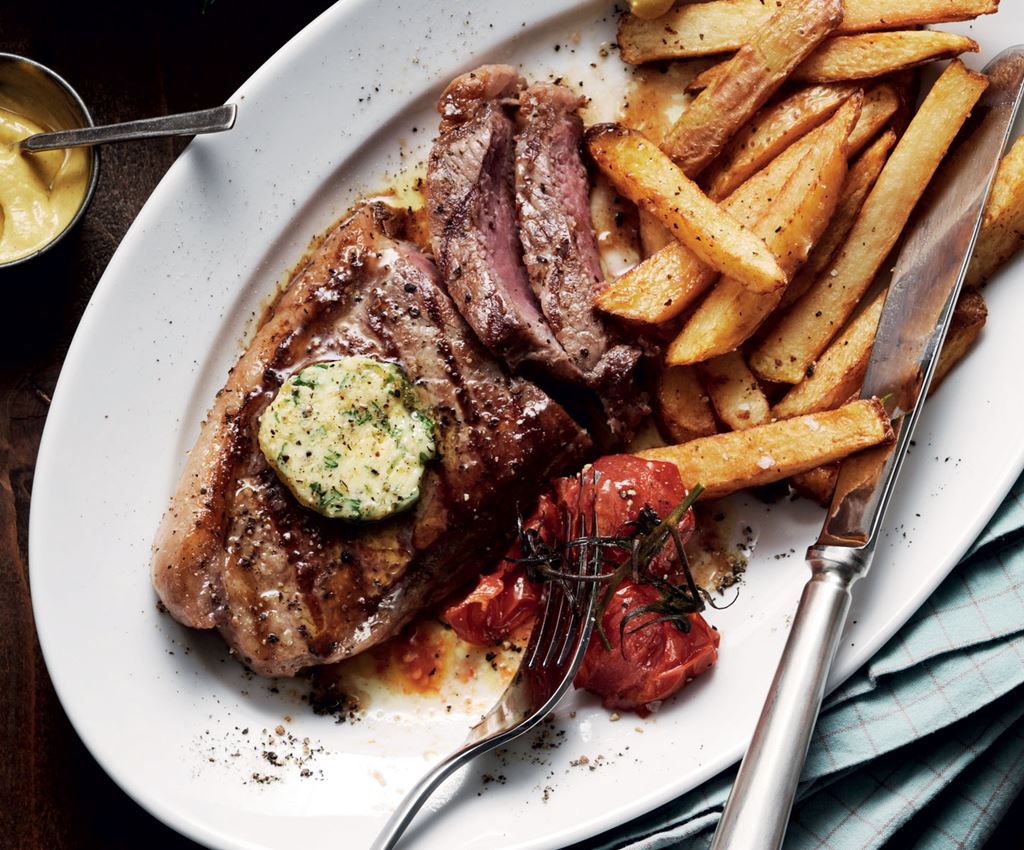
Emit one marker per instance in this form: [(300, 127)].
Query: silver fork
[(550, 662)]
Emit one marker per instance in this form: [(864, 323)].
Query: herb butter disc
[(348, 438)]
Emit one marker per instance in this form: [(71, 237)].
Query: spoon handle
[(184, 124)]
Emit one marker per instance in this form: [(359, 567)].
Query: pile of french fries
[(768, 211)]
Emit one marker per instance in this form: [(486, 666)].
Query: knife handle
[(757, 811)]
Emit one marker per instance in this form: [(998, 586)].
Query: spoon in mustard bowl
[(214, 120)]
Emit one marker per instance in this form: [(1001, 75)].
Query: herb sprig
[(646, 538)]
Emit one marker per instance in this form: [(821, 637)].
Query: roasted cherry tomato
[(505, 598), (647, 661), (657, 658)]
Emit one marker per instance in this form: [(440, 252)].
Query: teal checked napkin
[(928, 736)]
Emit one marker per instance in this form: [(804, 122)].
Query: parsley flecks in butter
[(349, 438)]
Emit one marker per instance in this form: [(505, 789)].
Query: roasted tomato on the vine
[(649, 657), (647, 661), (506, 598)]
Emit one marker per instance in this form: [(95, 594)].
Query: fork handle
[(417, 796), (757, 811)]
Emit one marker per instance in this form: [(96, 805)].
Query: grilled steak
[(471, 214), (486, 191), (288, 588), (560, 251)]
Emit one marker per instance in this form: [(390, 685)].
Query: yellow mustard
[(650, 9), (40, 193)]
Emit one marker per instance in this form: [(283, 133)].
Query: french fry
[(862, 176), (670, 281), (861, 57), (654, 100), (969, 318), (673, 278), (810, 324), (721, 26), (691, 30), (725, 463), (649, 179), (817, 484), (748, 79), (659, 288), (770, 132), (734, 392), (879, 105), (731, 313), (1002, 228), (872, 15), (839, 372), (682, 406)]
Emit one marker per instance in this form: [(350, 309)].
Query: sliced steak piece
[(471, 214), (288, 588), (560, 250)]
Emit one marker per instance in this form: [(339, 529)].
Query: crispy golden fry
[(682, 407), (969, 318), (659, 288), (670, 281), (1002, 228), (725, 463), (817, 484), (770, 132), (839, 372), (672, 278), (862, 176), (872, 15), (861, 57), (721, 26), (879, 105), (811, 323), (749, 78), (731, 312), (650, 180), (734, 392), (654, 99), (691, 29)]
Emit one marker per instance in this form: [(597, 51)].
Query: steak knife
[(925, 283)]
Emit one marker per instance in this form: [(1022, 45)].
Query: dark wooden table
[(127, 60)]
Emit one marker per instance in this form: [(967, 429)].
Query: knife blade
[(925, 283)]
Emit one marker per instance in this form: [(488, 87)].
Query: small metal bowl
[(43, 95)]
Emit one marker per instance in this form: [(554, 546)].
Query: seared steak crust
[(560, 251), (471, 214), (288, 588)]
